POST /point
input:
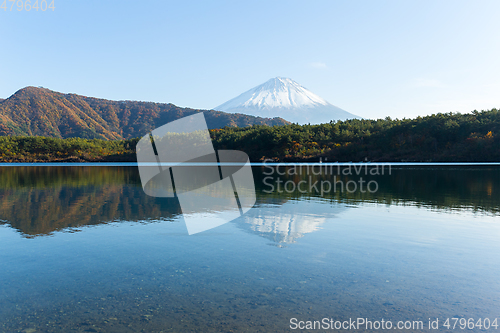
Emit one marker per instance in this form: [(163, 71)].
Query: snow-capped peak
[(285, 98), (279, 92)]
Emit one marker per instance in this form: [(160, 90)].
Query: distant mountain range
[(283, 97), (43, 112)]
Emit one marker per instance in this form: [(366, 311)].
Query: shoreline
[(273, 164)]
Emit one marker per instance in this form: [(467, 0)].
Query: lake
[(84, 249)]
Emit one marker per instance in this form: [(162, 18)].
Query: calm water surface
[(83, 249)]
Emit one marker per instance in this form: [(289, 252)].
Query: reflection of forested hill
[(19, 177), (42, 211), (476, 188), (41, 200)]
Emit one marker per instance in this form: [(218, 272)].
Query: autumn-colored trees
[(440, 137)]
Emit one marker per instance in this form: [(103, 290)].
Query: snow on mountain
[(285, 98)]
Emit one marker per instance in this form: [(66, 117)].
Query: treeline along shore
[(443, 137)]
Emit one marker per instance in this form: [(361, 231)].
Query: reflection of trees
[(440, 188), (17, 177), (42, 211), (476, 188), (40, 200)]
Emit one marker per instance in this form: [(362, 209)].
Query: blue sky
[(371, 58)]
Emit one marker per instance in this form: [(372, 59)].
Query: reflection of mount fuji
[(288, 221)]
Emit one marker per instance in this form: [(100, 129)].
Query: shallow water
[(83, 249)]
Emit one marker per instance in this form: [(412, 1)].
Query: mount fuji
[(285, 98)]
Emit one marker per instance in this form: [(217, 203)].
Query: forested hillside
[(41, 112), (471, 137), (440, 137)]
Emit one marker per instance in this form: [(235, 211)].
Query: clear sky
[(371, 58)]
